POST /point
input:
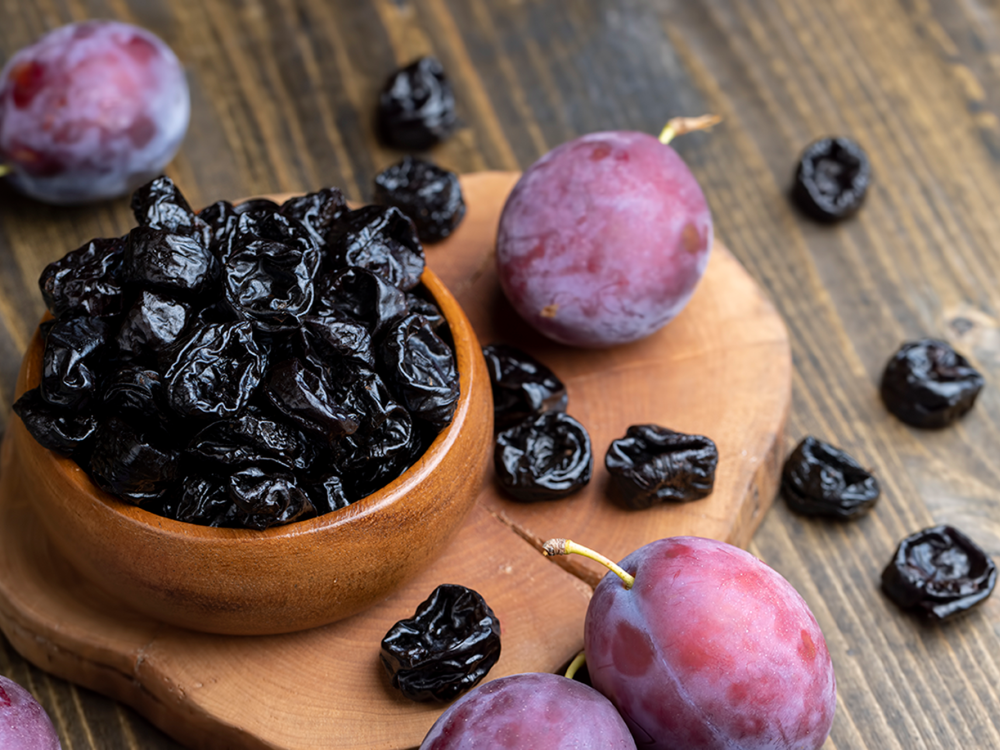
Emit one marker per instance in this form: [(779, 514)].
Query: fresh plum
[(603, 240), (90, 111), (709, 649), (24, 725), (529, 711)]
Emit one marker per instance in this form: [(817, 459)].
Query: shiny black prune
[(940, 573), (653, 464), (447, 647), (381, 240), (327, 494), (268, 498), (430, 196), (421, 370), (360, 295), (431, 312), (68, 374), (216, 372), (927, 383), (267, 278), (302, 397), (820, 480), (543, 458), (522, 386), (334, 335), (318, 212), (136, 393), (172, 263), (60, 430), (159, 204), (153, 325), (416, 107), (832, 179), (127, 464), (250, 437), (86, 281), (204, 500)]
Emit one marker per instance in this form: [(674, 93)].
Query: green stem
[(569, 547), (5, 169), (681, 125), (574, 666)]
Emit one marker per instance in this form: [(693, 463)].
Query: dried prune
[(216, 371), (300, 394), (447, 647), (361, 295), (318, 212), (86, 281), (159, 204), (379, 239), (154, 324), (543, 458), (832, 179), (652, 464), (333, 334), (136, 393), (420, 368), (173, 263), (60, 430), (927, 383), (248, 438), (430, 196), (268, 498), (416, 107), (268, 278), (125, 463), (940, 573), (820, 480), (327, 494), (522, 386), (70, 346)]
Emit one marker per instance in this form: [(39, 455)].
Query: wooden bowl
[(283, 579)]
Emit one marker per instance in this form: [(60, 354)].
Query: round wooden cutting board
[(721, 369)]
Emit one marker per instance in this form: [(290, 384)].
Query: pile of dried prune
[(245, 366)]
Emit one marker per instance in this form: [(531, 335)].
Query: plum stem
[(555, 547), (5, 169), (681, 125), (574, 666)]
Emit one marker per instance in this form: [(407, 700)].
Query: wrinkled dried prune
[(652, 464), (216, 372), (318, 212), (379, 239), (927, 383), (68, 380), (248, 438), (327, 494), (430, 196), (447, 647), (543, 458), (522, 386), (431, 312), (269, 279), (86, 281), (173, 263), (159, 204), (60, 430), (832, 179), (820, 480), (300, 394), (416, 107), (268, 498), (420, 368), (153, 325), (125, 463), (940, 573), (361, 295), (335, 335), (204, 500), (135, 392)]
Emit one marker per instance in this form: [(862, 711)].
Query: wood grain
[(326, 688), (917, 82)]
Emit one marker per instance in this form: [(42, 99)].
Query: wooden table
[(283, 96)]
